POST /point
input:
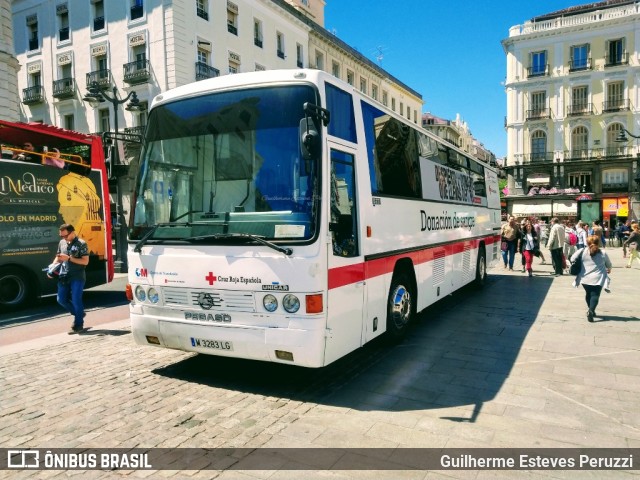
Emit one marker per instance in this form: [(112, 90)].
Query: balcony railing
[(579, 65), (33, 95), (202, 13), (616, 105), (615, 60), (63, 34), (612, 152), (204, 71), (231, 28), (100, 77), (541, 71), (257, 42), (64, 88), (536, 113), (538, 157), (137, 72), (98, 24), (281, 54), (578, 109)]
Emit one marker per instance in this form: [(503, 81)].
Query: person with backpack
[(581, 232), (570, 239), (593, 274)]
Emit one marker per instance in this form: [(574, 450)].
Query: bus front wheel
[(14, 288), (400, 306)]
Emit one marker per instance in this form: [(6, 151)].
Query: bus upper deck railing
[(67, 158)]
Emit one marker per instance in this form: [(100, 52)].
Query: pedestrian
[(528, 246), (633, 242), (538, 230), (555, 244), (73, 253), (27, 154), (625, 230), (581, 232), (594, 273), (510, 234), (53, 159), (570, 240)]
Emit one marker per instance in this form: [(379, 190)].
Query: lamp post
[(95, 97), (635, 204)]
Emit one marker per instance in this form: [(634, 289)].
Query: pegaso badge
[(205, 300)]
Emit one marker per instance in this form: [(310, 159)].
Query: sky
[(448, 51)]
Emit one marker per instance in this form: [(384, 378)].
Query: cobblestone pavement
[(515, 365)]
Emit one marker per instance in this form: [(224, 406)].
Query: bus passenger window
[(343, 205)]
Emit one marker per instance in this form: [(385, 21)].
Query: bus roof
[(16, 133)]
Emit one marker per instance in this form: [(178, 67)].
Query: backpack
[(573, 239)]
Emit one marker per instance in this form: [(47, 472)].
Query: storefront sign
[(583, 198), (34, 67), (136, 39), (65, 58), (98, 50)]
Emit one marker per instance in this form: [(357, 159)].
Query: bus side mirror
[(309, 139)]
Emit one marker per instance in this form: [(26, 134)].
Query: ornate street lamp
[(95, 97), (622, 138)]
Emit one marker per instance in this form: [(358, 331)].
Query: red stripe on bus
[(347, 275)]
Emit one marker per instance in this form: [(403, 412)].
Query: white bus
[(284, 216)]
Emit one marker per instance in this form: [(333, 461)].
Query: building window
[(234, 63), (299, 55), (393, 104), (69, 122), (538, 105), (538, 146), (32, 28), (232, 18), (615, 97), (579, 58), (581, 180), (350, 77), (615, 53), (137, 9), (319, 60), (260, 68), (538, 63), (374, 92), (104, 120), (616, 177), (385, 98), (280, 44), (614, 148), (201, 9), (363, 85), (401, 108), (579, 142), (579, 99), (98, 16), (63, 22), (335, 69), (203, 56), (257, 33)]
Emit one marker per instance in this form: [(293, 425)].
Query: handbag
[(577, 265), (504, 247)]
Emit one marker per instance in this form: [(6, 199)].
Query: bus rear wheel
[(400, 306), (14, 288)]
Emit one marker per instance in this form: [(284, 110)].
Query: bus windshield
[(228, 165)]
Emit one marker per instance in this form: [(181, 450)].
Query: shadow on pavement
[(614, 318), (459, 353), (103, 332)]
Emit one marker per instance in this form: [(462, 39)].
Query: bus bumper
[(256, 343)]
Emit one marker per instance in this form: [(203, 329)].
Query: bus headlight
[(153, 295), (291, 303), (270, 303), (141, 295)]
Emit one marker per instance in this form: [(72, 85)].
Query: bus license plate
[(213, 344)]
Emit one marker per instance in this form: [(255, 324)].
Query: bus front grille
[(209, 299)]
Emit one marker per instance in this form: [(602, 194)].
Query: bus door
[(345, 303)]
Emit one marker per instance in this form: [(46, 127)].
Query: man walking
[(73, 253), (555, 243)]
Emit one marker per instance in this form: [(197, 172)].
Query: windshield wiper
[(149, 234), (257, 238)]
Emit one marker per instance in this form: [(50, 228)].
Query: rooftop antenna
[(379, 54)]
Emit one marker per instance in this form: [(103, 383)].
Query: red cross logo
[(211, 278)]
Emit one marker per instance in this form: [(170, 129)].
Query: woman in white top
[(593, 275)]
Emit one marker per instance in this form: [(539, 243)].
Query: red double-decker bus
[(49, 176)]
